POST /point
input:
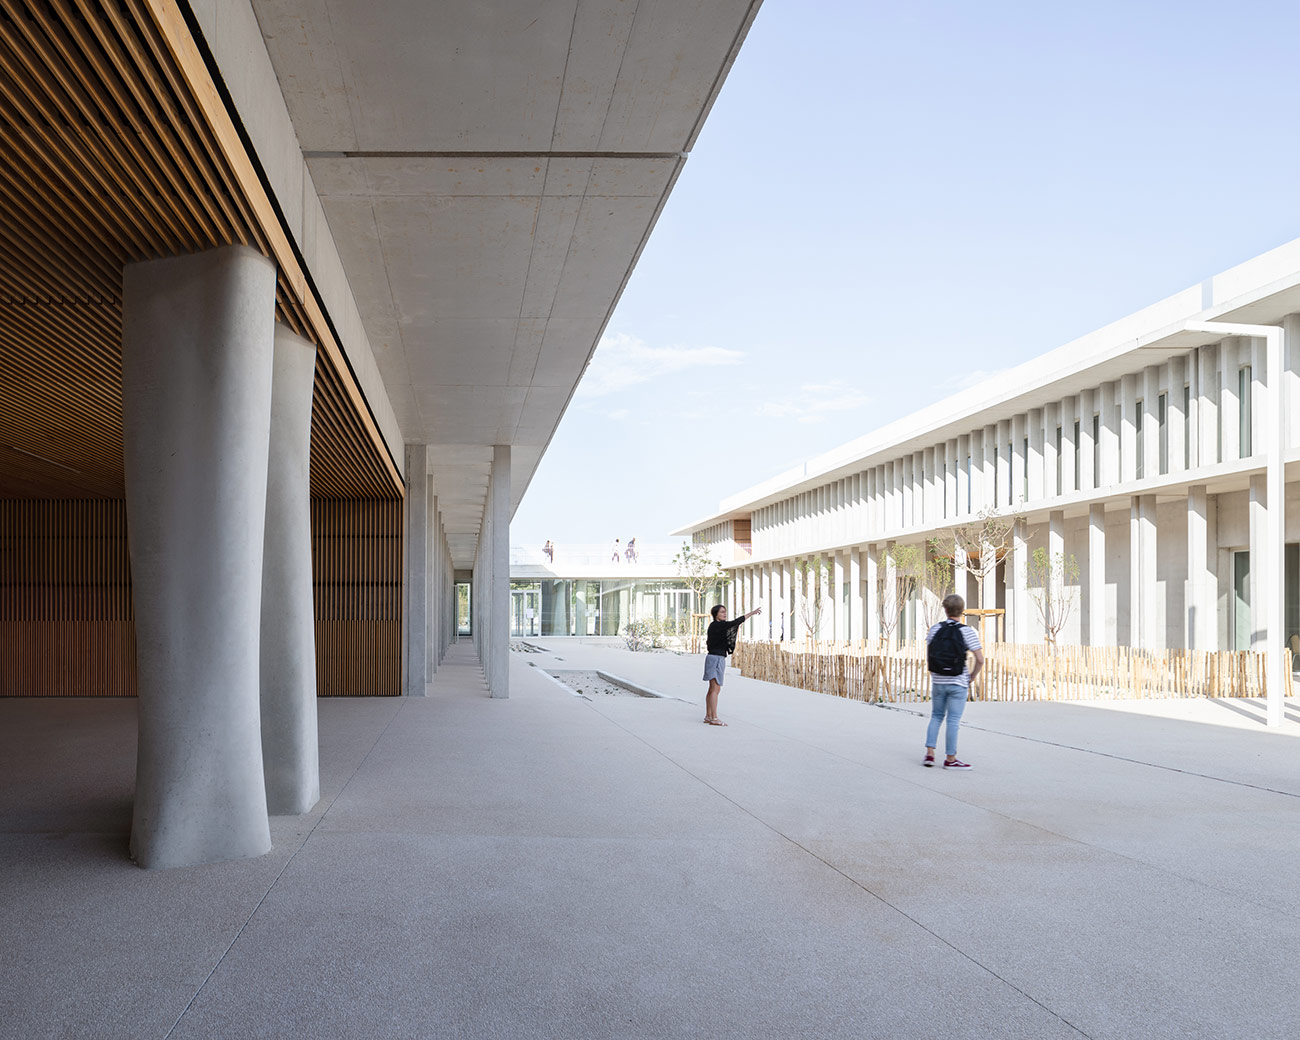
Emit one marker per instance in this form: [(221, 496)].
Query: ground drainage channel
[(594, 684)]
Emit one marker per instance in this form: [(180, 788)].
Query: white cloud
[(618, 413), (622, 361), (965, 380), (814, 401)]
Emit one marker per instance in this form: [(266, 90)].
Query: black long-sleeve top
[(716, 636)]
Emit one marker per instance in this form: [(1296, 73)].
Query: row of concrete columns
[(216, 401), (1196, 409), (429, 587), (850, 581), (490, 591)]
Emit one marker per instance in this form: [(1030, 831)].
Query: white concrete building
[(1151, 450)]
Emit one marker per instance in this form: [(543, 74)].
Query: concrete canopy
[(490, 173)]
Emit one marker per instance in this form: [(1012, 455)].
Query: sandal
[(715, 722)]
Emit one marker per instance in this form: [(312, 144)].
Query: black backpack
[(947, 652)]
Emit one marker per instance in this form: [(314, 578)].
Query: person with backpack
[(948, 643)]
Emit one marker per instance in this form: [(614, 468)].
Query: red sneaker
[(929, 760), (955, 764)]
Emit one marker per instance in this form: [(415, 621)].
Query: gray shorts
[(715, 667)]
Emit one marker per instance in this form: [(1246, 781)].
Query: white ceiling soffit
[(490, 172)]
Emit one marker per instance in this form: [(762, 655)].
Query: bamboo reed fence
[(1012, 672)]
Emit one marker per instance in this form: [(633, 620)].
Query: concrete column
[(290, 738), (1272, 591), (1018, 579), (837, 591), (1290, 431), (1229, 402), (1143, 632), (1262, 561), (1098, 630), (415, 584), (1176, 424), (197, 356), (1056, 555), (871, 602), (797, 629), (857, 628), (1036, 462), (1199, 597), (1019, 460), (1128, 428), (787, 599), (989, 468), (1108, 440), (965, 474), (1069, 445), (1207, 406), (1151, 422), (1002, 466), (1087, 445), (889, 601), (1258, 396), (497, 647)]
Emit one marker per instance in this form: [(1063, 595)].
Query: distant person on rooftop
[(630, 554), (549, 550), (617, 552), (720, 640)]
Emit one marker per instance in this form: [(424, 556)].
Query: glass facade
[(582, 607)]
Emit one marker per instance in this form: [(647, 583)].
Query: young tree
[(1053, 582), (896, 585), (984, 541), (939, 578), (700, 571), (813, 601)]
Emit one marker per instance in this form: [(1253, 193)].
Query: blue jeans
[(945, 699)]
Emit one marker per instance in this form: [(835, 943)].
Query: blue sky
[(889, 201)]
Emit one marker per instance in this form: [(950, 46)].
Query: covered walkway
[(554, 866)]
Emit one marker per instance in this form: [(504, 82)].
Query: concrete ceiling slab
[(490, 173)]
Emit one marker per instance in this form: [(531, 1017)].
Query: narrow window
[(1076, 454), (1058, 460), (1096, 450), (1024, 490), (1140, 438), (968, 483), (1187, 426), (1243, 410), (1162, 414)]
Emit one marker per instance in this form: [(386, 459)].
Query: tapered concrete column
[(871, 604), (856, 628), (1229, 401), (197, 348), (1098, 630), (1035, 481), (1198, 601), (498, 634), (415, 584), (1056, 556), (1176, 415), (1150, 419), (1128, 426), (1069, 415), (1207, 406), (797, 629), (1142, 574), (290, 738), (1087, 446), (1019, 459), (1108, 435), (837, 593), (1018, 580), (1262, 561)]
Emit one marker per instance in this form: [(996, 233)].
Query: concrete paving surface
[(553, 866)]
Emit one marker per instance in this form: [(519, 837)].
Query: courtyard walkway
[(556, 866)]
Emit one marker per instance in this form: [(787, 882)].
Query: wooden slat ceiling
[(106, 157)]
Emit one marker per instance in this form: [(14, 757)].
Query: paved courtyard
[(558, 866)]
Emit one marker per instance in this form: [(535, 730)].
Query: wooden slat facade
[(117, 146), (66, 623), (111, 153)]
